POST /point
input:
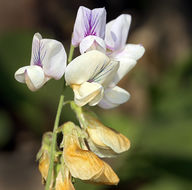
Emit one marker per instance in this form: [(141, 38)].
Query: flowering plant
[(105, 59)]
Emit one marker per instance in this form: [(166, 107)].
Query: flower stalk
[(53, 145), (56, 124)]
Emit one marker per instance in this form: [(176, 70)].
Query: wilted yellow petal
[(82, 164), (106, 138), (107, 176), (64, 182), (44, 165)]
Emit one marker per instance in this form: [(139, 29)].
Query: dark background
[(157, 119)]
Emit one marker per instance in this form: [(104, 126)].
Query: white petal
[(50, 55), (128, 58), (91, 43), (85, 66), (86, 92), (20, 74), (117, 32), (106, 104), (34, 77), (97, 98), (114, 97)]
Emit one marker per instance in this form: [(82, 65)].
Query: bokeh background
[(157, 119)]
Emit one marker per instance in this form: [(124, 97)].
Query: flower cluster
[(105, 55), (105, 59), (79, 152)]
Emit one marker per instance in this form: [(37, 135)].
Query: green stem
[(79, 113), (71, 51), (53, 145), (56, 124)]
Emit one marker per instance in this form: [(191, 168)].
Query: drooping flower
[(104, 141), (89, 74), (127, 55), (84, 164), (48, 60), (89, 29)]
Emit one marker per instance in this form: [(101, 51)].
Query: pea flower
[(104, 141), (89, 29), (127, 55), (48, 60), (84, 164), (88, 75)]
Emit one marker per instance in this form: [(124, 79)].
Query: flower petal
[(91, 43), (20, 74), (34, 77), (88, 22), (106, 138), (38, 51), (113, 97), (87, 92), (85, 67), (105, 104), (50, 55), (83, 164), (64, 182), (128, 58), (107, 176), (117, 32)]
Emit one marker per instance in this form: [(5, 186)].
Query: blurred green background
[(157, 119)]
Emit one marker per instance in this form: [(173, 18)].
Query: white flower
[(48, 60), (127, 55), (89, 74)]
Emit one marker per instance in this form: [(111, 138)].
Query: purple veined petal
[(38, 50), (85, 67), (113, 97), (117, 32), (99, 69), (128, 58), (91, 43), (89, 22)]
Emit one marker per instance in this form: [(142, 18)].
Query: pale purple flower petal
[(117, 32), (89, 22)]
